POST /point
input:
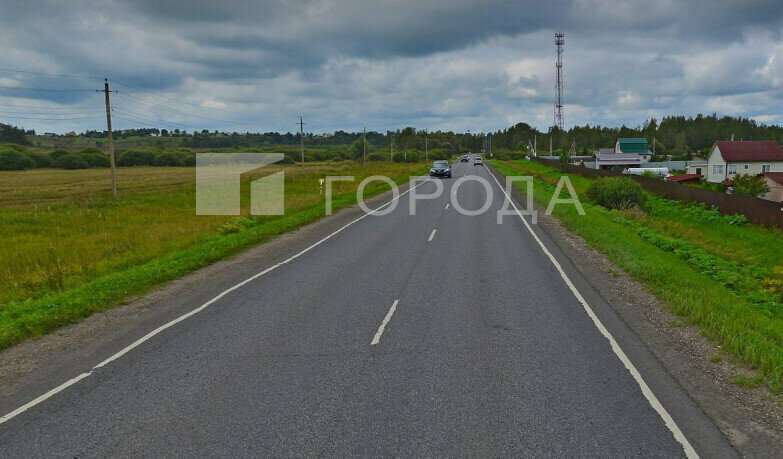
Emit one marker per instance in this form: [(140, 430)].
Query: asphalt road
[(488, 352)]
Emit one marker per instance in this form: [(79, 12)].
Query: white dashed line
[(386, 320), (447, 205), (432, 235), (193, 312)]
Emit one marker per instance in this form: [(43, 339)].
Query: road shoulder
[(751, 418)]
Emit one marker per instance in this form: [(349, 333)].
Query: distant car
[(464, 159), (478, 161), (440, 169)]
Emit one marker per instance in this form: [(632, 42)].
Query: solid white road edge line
[(377, 337), (432, 235), (179, 319), (648, 394)]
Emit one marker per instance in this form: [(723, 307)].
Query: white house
[(727, 159)]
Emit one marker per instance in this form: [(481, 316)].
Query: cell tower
[(559, 42)]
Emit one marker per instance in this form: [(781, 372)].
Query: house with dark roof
[(729, 158), (634, 146), (775, 183), (684, 178)]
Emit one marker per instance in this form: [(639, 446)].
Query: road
[(435, 334)]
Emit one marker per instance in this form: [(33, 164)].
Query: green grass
[(705, 267), (70, 249)]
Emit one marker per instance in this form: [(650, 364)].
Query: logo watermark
[(218, 190)]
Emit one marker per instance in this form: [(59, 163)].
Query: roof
[(618, 158), (606, 151), (684, 178), (633, 145), (776, 177), (750, 150)]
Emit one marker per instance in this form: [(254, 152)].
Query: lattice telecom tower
[(559, 42)]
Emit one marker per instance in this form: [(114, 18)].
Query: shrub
[(57, 154), (187, 159), (71, 161), (168, 159), (12, 160), (616, 193), (750, 185), (377, 157), (136, 158), (39, 159), (90, 151), (95, 159)]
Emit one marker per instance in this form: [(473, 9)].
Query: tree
[(750, 185), (356, 148)]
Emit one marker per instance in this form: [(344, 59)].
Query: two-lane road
[(431, 334)]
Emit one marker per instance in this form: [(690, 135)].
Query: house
[(684, 178), (697, 167), (636, 146), (775, 184), (617, 161), (727, 159)]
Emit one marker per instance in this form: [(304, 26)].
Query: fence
[(759, 211)]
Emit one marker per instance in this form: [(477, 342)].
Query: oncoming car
[(440, 169)]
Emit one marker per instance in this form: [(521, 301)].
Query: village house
[(775, 184), (634, 146), (727, 159)]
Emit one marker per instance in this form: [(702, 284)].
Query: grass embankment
[(708, 268), (69, 249)]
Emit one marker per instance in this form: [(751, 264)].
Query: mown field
[(708, 268), (70, 249)]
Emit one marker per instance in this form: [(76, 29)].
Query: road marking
[(432, 235), (386, 320), (179, 319), (648, 394), (447, 205)]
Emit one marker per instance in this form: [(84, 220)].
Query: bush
[(168, 159), (377, 157), (57, 154), (90, 151), (95, 159), (12, 160), (186, 158), (616, 193), (750, 185), (71, 161), (136, 158), (39, 159)]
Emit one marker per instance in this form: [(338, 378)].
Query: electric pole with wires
[(106, 92), (364, 145), (301, 139)]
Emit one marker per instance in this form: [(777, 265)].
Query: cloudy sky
[(239, 65)]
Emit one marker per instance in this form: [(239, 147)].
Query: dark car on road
[(440, 169), (464, 159)]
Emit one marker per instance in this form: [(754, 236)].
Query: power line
[(181, 101), (52, 119), (181, 112), (18, 88), (60, 75), (48, 108)]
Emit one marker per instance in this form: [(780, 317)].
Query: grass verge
[(99, 285), (705, 267)]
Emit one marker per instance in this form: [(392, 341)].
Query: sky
[(240, 65)]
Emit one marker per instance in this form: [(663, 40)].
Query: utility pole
[(301, 139), (364, 145), (535, 145), (551, 134), (426, 149), (106, 92), (490, 144), (653, 146)]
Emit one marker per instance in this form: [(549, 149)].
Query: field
[(70, 249), (708, 268)]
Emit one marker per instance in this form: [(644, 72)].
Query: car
[(478, 161), (465, 159), (440, 169)]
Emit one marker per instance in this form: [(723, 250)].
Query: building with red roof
[(727, 159), (775, 184)]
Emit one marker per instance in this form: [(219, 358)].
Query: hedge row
[(16, 158)]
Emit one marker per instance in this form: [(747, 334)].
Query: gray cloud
[(343, 64)]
